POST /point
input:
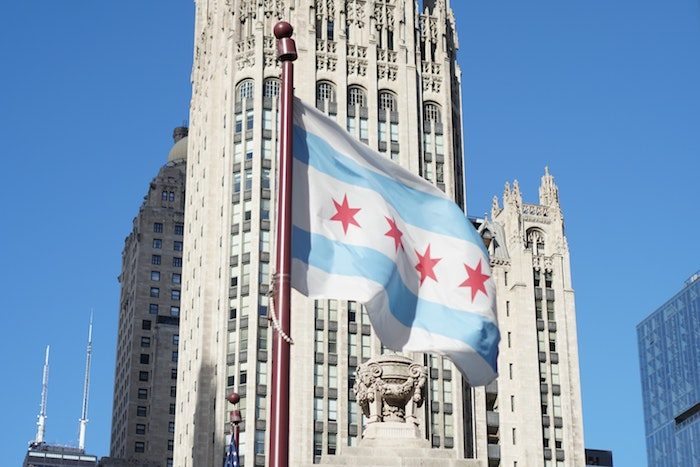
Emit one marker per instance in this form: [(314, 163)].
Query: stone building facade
[(385, 70), (143, 412)]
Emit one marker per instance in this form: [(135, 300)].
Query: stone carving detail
[(357, 60), (540, 262), (247, 10), (274, 8), (355, 12), (383, 15), (388, 387), (324, 8)]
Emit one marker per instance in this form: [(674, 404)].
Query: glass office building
[(669, 357)]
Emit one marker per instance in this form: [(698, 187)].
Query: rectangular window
[(177, 262), (179, 229), (383, 137), (171, 444), (332, 410), (146, 324), (267, 119), (157, 227), (143, 393), (236, 182), (239, 123), (173, 391), (332, 342), (173, 373), (155, 275), (157, 243), (318, 375), (139, 446), (175, 311), (140, 429), (145, 341), (153, 308), (176, 339), (265, 241), (364, 131), (265, 209), (248, 180), (266, 179), (394, 132), (267, 149), (171, 409), (143, 376), (175, 294), (155, 259), (176, 278), (249, 120), (171, 427), (174, 356), (141, 411), (145, 358), (177, 245), (332, 376), (155, 292), (318, 409)]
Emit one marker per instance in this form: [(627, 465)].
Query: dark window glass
[(143, 376), (177, 262), (145, 358), (153, 308), (155, 259), (157, 227), (146, 324), (179, 229)]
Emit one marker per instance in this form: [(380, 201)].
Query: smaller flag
[(232, 454)]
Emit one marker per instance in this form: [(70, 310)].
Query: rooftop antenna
[(86, 390), (41, 422)]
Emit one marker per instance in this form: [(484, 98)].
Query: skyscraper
[(532, 413), (388, 73), (669, 362), (143, 412)]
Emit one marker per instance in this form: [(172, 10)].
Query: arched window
[(245, 90), (432, 167), (431, 112), (325, 91), (388, 124), (387, 101), (357, 123), (535, 241), (357, 97), (271, 88), (326, 97)]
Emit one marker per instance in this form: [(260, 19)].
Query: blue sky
[(605, 93)]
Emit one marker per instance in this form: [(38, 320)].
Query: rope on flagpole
[(276, 278)]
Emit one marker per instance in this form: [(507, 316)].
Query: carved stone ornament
[(389, 389)]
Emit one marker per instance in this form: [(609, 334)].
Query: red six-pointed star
[(345, 214), (394, 233), (475, 280), (426, 264)]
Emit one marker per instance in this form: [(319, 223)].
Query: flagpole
[(279, 410)]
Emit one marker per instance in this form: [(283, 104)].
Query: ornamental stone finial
[(389, 389)]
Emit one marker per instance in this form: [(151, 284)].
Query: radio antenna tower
[(41, 422), (86, 390)]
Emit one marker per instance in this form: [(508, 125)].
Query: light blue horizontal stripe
[(424, 210), (343, 259)]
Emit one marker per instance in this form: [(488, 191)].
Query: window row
[(175, 277), (156, 260), (158, 244), (178, 229)]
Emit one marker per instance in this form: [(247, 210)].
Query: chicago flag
[(366, 229)]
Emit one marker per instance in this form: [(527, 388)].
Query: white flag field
[(366, 229)]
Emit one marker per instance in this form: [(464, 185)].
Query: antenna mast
[(86, 390), (41, 422)]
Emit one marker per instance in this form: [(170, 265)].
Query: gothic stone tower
[(531, 415), (387, 72)]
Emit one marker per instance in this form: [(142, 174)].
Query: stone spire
[(549, 193)]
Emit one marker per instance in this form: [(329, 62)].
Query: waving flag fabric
[(366, 229), (232, 454)]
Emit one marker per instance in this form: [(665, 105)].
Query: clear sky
[(605, 93)]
